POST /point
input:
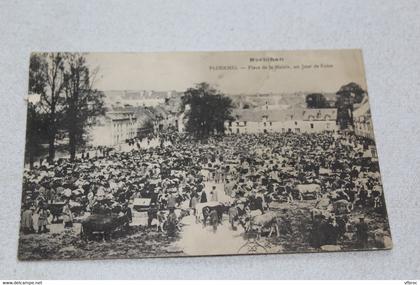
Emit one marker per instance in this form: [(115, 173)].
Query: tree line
[(318, 100), (346, 97), (208, 109), (67, 103)]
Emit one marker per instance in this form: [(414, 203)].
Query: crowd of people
[(255, 169)]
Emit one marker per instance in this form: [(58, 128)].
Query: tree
[(355, 90), (35, 133), (316, 101), (35, 121), (347, 96), (344, 106), (149, 126), (147, 129), (208, 110), (46, 78), (82, 103)]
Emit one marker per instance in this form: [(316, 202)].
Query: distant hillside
[(171, 100), (145, 98), (275, 101)]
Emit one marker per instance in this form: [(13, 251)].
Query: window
[(237, 123), (295, 123), (312, 126), (265, 124), (245, 123), (230, 124), (271, 123)]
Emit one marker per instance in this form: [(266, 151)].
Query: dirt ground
[(138, 242)]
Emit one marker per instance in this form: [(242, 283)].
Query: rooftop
[(255, 115)]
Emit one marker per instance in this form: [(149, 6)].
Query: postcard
[(133, 155)]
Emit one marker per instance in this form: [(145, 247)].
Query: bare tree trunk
[(51, 146), (31, 159), (52, 129), (72, 129), (72, 145)]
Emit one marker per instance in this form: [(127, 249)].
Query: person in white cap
[(213, 194), (67, 215)]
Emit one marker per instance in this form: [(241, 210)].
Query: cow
[(220, 209), (203, 214), (308, 191), (326, 207), (162, 219), (103, 224), (236, 211), (255, 203), (182, 213), (268, 220)]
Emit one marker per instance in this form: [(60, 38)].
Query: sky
[(181, 70)]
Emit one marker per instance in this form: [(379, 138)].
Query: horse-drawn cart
[(56, 210), (104, 225)]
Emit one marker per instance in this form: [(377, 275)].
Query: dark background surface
[(387, 31)]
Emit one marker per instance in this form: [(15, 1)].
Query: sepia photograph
[(134, 155)]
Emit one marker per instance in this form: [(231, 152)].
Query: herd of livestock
[(264, 176)]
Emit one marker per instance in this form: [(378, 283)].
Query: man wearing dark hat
[(233, 215), (289, 190), (193, 203), (363, 195), (171, 200), (172, 223), (317, 236), (203, 197), (151, 214), (43, 215), (362, 233)]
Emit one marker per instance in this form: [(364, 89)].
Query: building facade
[(115, 128), (297, 120), (363, 120)]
